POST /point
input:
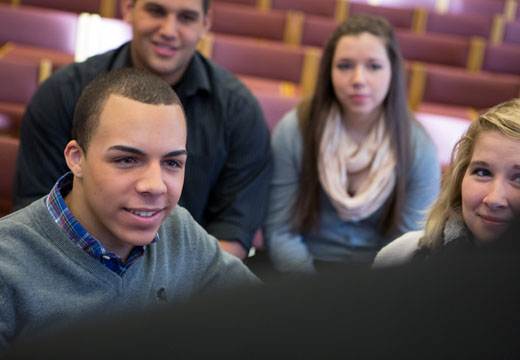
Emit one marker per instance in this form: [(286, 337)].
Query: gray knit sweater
[(47, 281)]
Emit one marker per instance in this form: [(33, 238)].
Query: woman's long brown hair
[(313, 113)]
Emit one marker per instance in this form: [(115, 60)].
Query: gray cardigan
[(338, 240), (47, 281)]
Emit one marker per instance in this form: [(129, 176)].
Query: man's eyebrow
[(128, 149), (135, 151), (176, 153)]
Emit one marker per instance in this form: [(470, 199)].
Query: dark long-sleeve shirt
[(229, 161)]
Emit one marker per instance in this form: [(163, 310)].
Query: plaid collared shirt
[(76, 232)]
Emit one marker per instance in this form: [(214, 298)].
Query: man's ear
[(74, 157), (126, 9)]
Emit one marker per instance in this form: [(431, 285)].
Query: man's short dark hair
[(132, 83), (205, 5)]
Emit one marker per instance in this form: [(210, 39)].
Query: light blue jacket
[(336, 239)]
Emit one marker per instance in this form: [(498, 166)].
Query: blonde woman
[(480, 195)]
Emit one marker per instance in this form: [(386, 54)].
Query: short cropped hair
[(132, 83), (205, 5)]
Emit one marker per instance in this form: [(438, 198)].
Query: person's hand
[(233, 248)]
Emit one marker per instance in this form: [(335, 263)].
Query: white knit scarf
[(340, 156)]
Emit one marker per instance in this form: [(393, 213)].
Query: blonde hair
[(504, 118)]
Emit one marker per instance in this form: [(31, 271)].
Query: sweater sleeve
[(7, 312), (423, 181), (287, 250), (210, 268), (398, 252)]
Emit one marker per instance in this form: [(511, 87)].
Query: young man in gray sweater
[(110, 236)]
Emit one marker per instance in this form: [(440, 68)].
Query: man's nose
[(151, 181)]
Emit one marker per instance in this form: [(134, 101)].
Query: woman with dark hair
[(352, 168), (480, 195)]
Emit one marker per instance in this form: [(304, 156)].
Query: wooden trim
[(293, 28), (340, 11), (473, 114), (497, 30), (45, 70), (347, 9), (263, 5), (108, 8), (205, 45), (417, 85), (510, 9), (311, 64), (4, 49), (477, 50), (420, 20), (287, 89)]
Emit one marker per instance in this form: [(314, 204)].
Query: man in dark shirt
[(228, 141)]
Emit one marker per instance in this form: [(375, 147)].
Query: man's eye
[(155, 11), (187, 17), (172, 163), (125, 160)]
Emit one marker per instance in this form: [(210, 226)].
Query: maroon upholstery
[(441, 49), (9, 151), (248, 21), (33, 55), (398, 17), (244, 56), (457, 112), (49, 29), (477, 7), (90, 6), (317, 30), (454, 86), (11, 118), (503, 58), (314, 7), (275, 106), (267, 86), (512, 32), (459, 24), (19, 81)]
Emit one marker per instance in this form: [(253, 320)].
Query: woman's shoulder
[(418, 134), (422, 147), (288, 123), (400, 251), (287, 131)]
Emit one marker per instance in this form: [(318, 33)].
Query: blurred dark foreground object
[(460, 306)]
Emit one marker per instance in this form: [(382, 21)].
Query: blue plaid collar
[(76, 232)]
